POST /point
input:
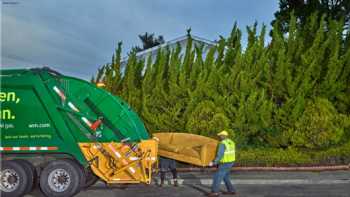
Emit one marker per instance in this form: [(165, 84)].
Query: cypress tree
[(292, 92), (116, 63)]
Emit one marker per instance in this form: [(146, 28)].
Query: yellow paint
[(118, 163)]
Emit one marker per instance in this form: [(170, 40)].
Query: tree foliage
[(333, 9), (293, 92), (148, 41)]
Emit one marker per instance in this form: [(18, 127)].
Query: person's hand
[(211, 164)]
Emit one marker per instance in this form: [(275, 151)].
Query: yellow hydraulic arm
[(122, 162)]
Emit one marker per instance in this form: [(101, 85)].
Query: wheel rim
[(9, 180), (59, 180)]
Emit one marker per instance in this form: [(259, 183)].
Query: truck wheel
[(31, 173), (60, 178), (91, 178), (81, 173), (13, 179)]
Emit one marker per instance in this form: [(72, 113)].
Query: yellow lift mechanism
[(125, 163), (121, 162)]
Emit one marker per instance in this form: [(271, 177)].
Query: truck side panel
[(30, 121)]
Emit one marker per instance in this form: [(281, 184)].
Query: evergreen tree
[(303, 9), (292, 92), (148, 41)]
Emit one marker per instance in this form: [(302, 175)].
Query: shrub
[(319, 126), (207, 119), (272, 157)]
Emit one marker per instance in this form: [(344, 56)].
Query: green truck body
[(35, 118)]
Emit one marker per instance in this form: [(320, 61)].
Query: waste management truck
[(63, 134)]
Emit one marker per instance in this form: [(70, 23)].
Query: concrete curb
[(278, 182), (255, 181), (302, 168), (252, 182)]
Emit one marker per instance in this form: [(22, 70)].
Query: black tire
[(81, 173), (91, 178), (61, 173), (13, 172), (31, 173)]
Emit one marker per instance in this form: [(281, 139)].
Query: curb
[(251, 182), (278, 182), (301, 168)]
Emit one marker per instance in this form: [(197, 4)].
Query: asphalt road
[(255, 184)]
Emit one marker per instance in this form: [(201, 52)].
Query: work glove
[(211, 164)]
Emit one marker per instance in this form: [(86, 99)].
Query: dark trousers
[(173, 172), (166, 164)]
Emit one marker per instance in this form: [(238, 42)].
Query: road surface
[(254, 184)]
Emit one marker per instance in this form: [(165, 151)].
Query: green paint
[(32, 114)]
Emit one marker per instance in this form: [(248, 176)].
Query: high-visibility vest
[(230, 151)]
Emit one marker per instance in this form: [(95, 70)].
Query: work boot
[(213, 194), (176, 184), (229, 193), (161, 183)]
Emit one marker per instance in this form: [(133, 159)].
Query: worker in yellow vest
[(225, 158)]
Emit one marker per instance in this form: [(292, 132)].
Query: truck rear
[(65, 133)]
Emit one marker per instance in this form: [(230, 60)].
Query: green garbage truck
[(63, 134)]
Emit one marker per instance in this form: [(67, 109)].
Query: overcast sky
[(75, 37)]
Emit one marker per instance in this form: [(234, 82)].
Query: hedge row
[(293, 157)]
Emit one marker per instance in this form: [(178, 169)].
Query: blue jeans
[(223, 173)]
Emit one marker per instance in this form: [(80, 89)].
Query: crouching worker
[(225, 158), (166, 164)]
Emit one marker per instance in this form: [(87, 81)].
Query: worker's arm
[(220, 153)]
